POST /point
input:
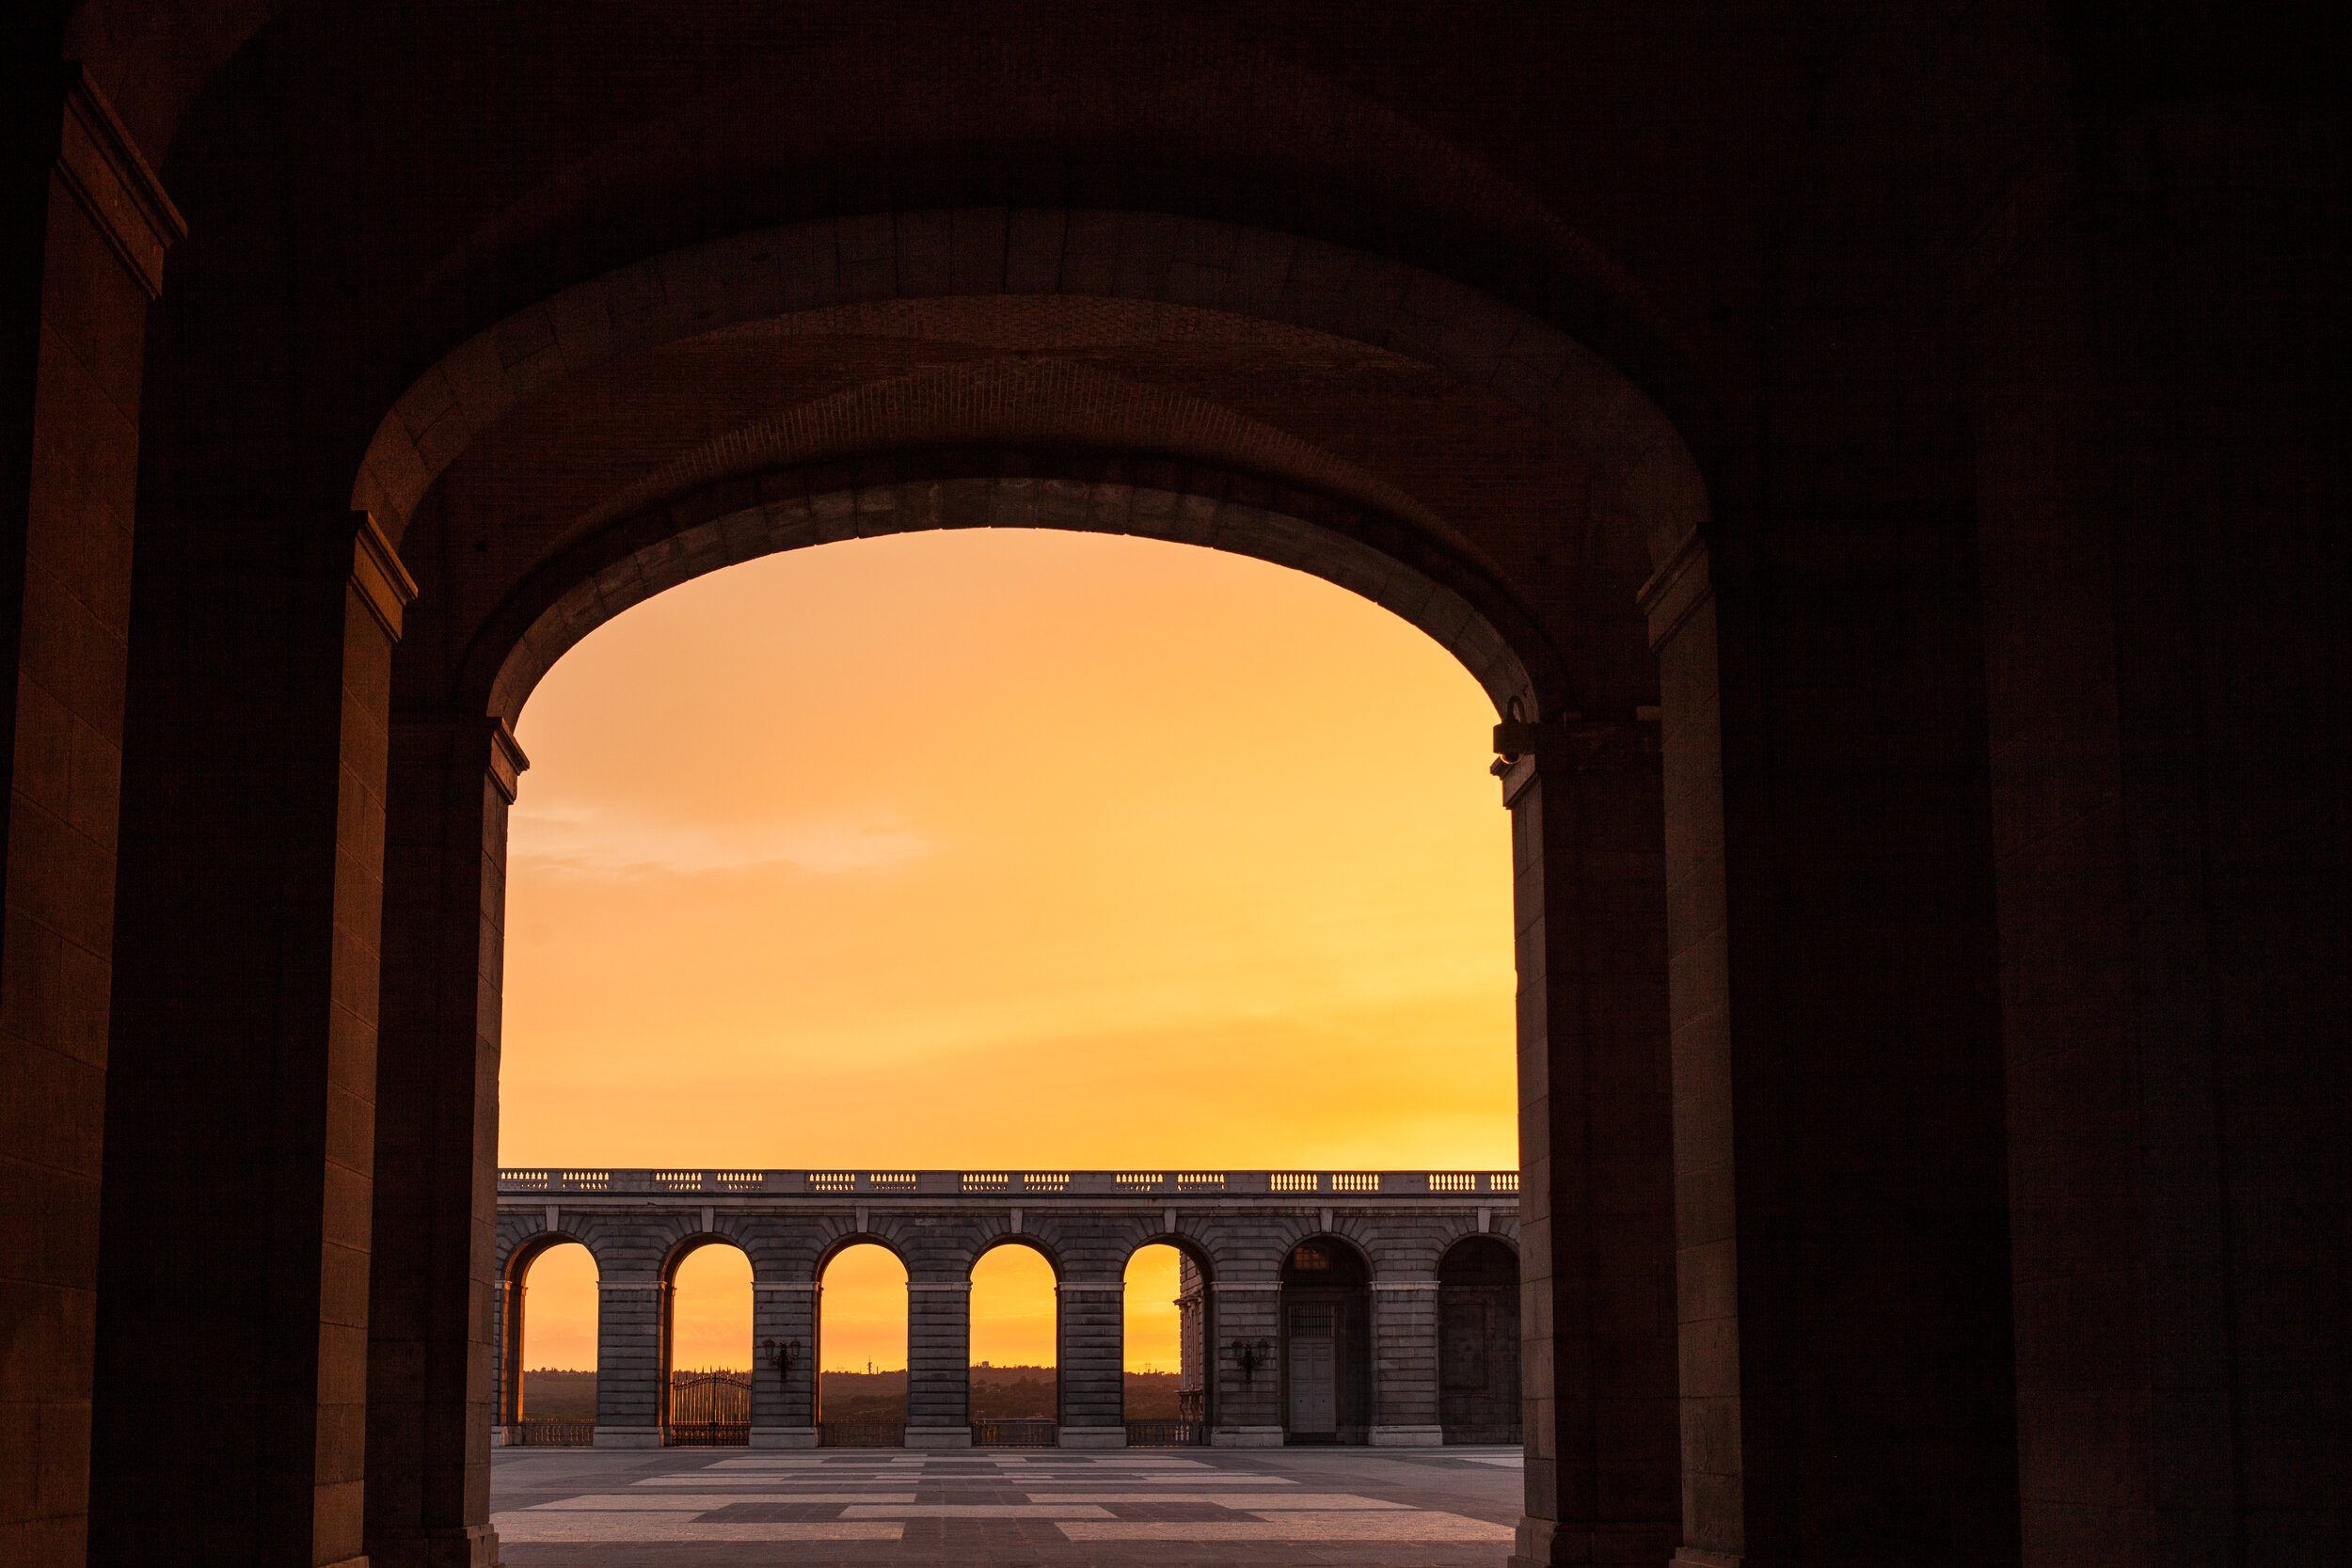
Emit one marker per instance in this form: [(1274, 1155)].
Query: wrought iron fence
[(548, 1433), (1015, 1435), (709, 1410), (1167, 1435), (861, 1434)]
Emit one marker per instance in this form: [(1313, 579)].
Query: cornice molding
[(507, 761), (101, 164)]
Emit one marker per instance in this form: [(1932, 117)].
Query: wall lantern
[(1251, 1357), (781, 1356)]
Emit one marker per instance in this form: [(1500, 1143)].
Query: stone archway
[(1478, 1340), (1324, 1342), (1000, 442), (509, 1368)]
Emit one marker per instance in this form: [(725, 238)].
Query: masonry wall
[(1239, 1245)]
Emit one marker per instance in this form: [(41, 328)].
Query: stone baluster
[(1093, 1354), (784, 1398), (628, 1362), (939, 1369), (1248, 1380), (1404, 1364)]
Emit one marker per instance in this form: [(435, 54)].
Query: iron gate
[(709, 1410)]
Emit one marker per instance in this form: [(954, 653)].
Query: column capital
[(384, 584), (1575, 745), (460, 740), (507, 761)]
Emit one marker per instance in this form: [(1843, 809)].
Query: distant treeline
[(998, 1394), (553, 1395)]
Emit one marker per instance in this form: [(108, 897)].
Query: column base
[(784, 1437), (1409, 1437), (625, 1438), (502, 1437), (1543, 1544), (1094, 1438), (939, 1438), (1246, 1437), (457, 1546)]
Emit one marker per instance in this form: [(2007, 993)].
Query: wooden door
[(1314, 1372)]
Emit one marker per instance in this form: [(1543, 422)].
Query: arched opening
[(1170, 1336), (706, 1347), (1478, 1341), (1569, 669), (547, 1367), (862, 1328), (1303, 967), (1016, 1354), (1326, 1349)]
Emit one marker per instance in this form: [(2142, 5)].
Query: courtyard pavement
[(1139, 1508)]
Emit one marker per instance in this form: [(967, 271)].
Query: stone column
[(83, 227), (2161, 645), (1248, 1406), (241, 1098), (939, 1363), (1843, 1268), (629, 1361), (783, 1401), (452, 779), (1404, 1364), (1597, 1146), (1093, 1354)]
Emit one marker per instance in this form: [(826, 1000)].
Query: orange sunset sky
[(997, 849)]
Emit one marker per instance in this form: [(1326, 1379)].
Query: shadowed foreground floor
[(1388, 1508)]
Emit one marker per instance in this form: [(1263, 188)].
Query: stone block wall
[(1234, 1243)]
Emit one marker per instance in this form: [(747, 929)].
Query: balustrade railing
[(1008, 1183), (1015, 1435), (1167, 1435), (546, 1432), (861, 1434)]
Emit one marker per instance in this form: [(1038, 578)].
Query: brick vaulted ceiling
[(1112, 376)]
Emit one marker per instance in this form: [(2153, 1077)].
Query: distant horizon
[(876, 1371), (1139, 1164)]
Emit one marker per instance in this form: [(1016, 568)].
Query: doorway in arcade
[(1326, 1343)]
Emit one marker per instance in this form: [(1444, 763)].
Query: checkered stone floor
[(1386, 1508)]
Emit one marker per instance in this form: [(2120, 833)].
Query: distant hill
[(998, 1394)]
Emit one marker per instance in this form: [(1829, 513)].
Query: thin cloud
[(598, 842)]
